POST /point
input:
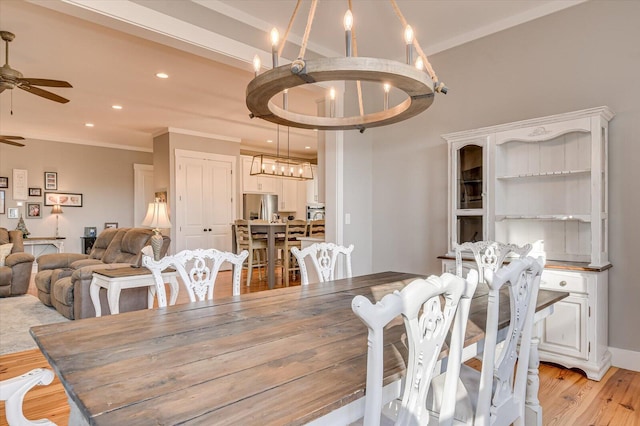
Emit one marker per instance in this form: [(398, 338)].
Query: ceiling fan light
[(162, 75), (88, 124), (116, 107)]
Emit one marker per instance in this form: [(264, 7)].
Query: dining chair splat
[(489, 255), (324, 257), (197, 269)]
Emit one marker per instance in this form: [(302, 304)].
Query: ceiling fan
[(10, 78), (11, 140)]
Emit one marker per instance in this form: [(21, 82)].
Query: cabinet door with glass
[(468, 181)]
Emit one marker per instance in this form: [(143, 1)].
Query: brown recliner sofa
[(63, 279), (16, 272)]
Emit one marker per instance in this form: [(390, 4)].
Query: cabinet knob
[(563, 283), (204, 230)]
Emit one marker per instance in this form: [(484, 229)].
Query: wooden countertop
[(550, 264)]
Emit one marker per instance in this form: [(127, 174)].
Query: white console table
[(37, 246)]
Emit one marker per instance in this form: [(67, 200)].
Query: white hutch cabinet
[(543, 179)]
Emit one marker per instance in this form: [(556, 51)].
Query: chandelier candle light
[(419, 82), (157, 217)]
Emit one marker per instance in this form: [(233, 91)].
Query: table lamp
[(57, 210), (157, 217)]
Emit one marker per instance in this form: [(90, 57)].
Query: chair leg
[(285, 270), (249, 268)]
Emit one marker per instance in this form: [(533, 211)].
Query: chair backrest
[(243, 236), (427, 324), (324, 257), (294, 229), (316, 228), (197, 269), (13, 391), (502, 383), (489, 255)]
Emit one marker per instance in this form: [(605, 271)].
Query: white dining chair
[(488, 255), (13, 390), (324, 258), (496, 395), (197, 269), (427, 321)]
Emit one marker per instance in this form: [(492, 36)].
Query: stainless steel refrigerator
[(259, 206)]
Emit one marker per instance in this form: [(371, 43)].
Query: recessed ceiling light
[(116, 106), (162, 75), (269, 141), (88, 124), (307, 147)]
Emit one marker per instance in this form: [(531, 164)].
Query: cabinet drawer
[(563, 281)]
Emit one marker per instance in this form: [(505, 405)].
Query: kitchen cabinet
[(288, 195), (312, 188), (544, 179), (256, 184)]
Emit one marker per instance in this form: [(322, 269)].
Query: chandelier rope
[(307, 29), (286, 34)]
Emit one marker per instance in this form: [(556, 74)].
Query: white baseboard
[(623, 358)]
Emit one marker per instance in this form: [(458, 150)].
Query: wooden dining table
[(288, 356)]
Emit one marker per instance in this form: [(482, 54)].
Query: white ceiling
[(110, 51)]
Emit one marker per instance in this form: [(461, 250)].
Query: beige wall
[(582, 57), (104, 177)]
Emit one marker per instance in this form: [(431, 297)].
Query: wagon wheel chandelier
[(416, 79)]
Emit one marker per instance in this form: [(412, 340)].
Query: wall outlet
[(347, 219)]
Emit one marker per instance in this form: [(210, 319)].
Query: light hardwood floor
[(567, 397)]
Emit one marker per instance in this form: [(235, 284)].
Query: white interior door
[(221, 204), (204, 200)]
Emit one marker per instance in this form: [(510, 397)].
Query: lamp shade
[(57, 209), (157, 216)]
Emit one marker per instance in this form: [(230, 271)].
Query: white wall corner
[(624, 358)]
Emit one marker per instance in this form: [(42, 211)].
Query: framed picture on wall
[(51, 181), (110, 225), (34, 210), (20, 187), (2, 202), (35, 192), (4, 182), (62, 198), (13, 213)]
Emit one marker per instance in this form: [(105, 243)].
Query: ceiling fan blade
[(44, 94), (11, 137), (45, 82), (10, 142)]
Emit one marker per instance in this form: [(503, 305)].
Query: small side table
[(116, 279)]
